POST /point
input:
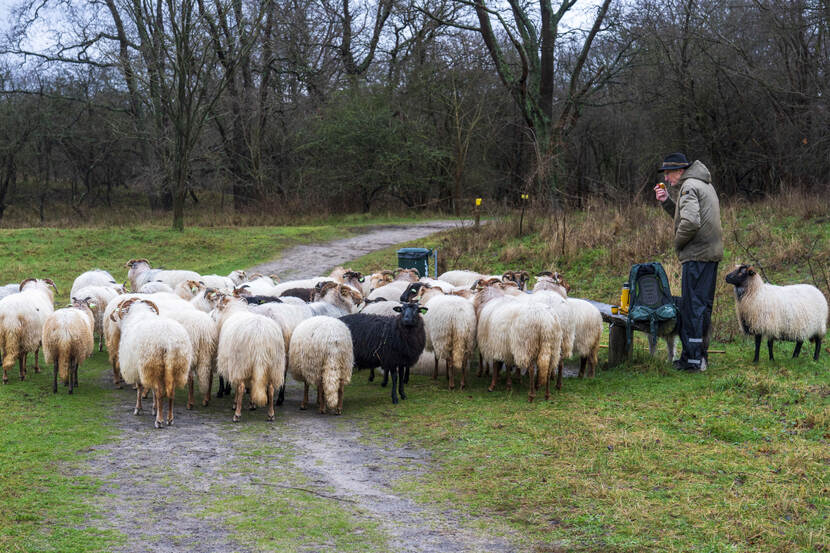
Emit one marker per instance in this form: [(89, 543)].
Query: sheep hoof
[(189, 406), (119, 387), (490, 388), (270, 418), (236, 418), (205, 403), (158, 424), (338, 412), (394, 401), (70, 392), (403, 395), (303, 407), (136, 412), (170, 422)]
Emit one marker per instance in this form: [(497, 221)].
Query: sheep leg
[(190, 391), (757, 347), (240, 392), (797, 350), (531, 392), (22, 364), (137, 410), (371, 374), (270, 403), (75, 372), (559, 374), (37, 360), (394, 372), (281, 393), (670, 343), (406, 376), (435, 369), (340, 397), (385, 378), (463, 374), (170, 411), (509, 371), (116, 377), (818, 348), (304, 404), (547, 387), (652, 344), (155, 401), (495, 378), (769, 347), (450, 374), (54, 378), (321, 397), (159, 405), (582, 362), (206, 399), (401, 381), (480, 372), (71, 378), (100, 343), (221, 390)]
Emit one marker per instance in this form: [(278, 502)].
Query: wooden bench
[(618, 350)]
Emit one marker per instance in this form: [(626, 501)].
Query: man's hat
[(674, 161)]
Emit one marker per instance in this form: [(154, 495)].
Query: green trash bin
[(415, 258)]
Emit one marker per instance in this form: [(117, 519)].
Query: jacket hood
[(697, 171)]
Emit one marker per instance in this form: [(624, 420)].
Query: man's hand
[(661, 193)]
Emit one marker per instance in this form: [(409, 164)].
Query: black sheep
[(393, 343), (305, 294), (259, 300)]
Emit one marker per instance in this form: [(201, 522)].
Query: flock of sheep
[(179, 327)]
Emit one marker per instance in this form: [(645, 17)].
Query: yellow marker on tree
[(478, 202)]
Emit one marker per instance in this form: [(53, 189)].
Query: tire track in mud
[(157, 483)]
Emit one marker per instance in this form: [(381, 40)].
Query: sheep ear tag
[(91, 305), (422, 310), (361, 279), (397, 309)]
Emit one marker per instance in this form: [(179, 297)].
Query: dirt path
[(158, 483)]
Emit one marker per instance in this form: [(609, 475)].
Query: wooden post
[(522, 216), (618, 350), (478, 211)]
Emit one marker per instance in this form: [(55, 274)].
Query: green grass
[(45, 439), (638, 459)]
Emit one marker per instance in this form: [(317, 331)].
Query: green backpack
[(650, 298)]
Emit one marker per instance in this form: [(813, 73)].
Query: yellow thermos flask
[(625, 297)]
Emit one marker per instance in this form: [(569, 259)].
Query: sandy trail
[(156, 482)]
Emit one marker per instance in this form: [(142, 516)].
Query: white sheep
[(97, 297), (188, 289), (95, 277), (140, 272), (154, 288), (9, 289), (67, 341), (154, 352), (795, 313), (203, 334), (251, 353), (21, 323), (321, 355), (451, 329), (219, 282)]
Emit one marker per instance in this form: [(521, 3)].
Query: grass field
[(638, 459)]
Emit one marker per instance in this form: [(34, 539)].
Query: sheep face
[(414, 291), (410, 313), (740, 275)]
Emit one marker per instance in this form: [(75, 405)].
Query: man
[(698, 239)]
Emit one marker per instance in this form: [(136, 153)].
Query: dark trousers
[(698, 295)]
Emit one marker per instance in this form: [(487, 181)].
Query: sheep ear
[(422, 310), (750, 271), (362, 279), (397, 309)]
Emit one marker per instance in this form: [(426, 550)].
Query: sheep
[(9, 289), (21, 323), (68, 340), (238, 276), (202, 331), (166, 302), (188, 289), (154, 288), (794, 313), (393, 343), (376, 280), (218, 281), (585, 322), (250, 354), (206, 299), (519, 277), (451, 328), (354, 279), (460, 278), (95, 277), (99, 296), (141, 273), (525, 334), (389, 291), (305, 294), (289, 284), (154, 352), (259, 300), (380, 307), (321, 355)]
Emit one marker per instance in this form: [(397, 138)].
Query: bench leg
[(617, 346)]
